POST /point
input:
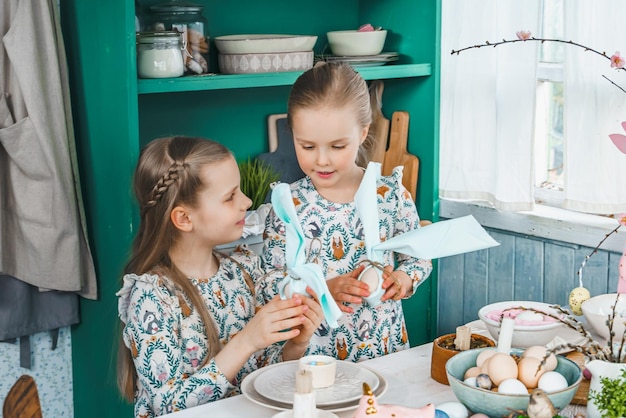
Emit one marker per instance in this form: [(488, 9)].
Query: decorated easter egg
[(454, 409), (576, 298)]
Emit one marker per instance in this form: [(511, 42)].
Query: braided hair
[(168, 175)]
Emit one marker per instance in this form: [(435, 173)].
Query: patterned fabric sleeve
[(406, 220), (252, 264), (152, 317)]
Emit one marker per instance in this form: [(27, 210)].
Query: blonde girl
[(329, 112), (181, 304)]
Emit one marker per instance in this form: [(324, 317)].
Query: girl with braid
[(182, 304)]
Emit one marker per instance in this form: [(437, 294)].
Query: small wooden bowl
[(441, 354)]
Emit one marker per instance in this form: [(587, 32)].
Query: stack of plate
[(274, 386), (250, 54), (363, 60)]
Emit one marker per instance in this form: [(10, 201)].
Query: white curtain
[(595, 171), (488, 100)]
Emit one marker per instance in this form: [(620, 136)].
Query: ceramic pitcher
[(600, 369)]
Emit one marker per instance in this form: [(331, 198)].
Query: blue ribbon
[(299, 272)]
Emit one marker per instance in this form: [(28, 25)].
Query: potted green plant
[(256, 178), (610, 400)]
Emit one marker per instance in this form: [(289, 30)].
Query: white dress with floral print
[(167, 346), (334, 240)]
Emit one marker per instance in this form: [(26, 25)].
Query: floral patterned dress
[(334, 240), (168, 343)]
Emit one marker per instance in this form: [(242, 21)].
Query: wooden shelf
[(240, 81)]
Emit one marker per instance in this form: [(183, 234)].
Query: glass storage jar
[(159, 54), (187, 19)]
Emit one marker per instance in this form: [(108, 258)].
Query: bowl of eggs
[(531, 328), (493, 383)]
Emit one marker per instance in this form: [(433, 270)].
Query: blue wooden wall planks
[(521, 268)]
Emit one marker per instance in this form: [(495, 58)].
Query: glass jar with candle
[(187, 19), (159, 54)]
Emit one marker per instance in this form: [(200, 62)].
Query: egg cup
[(373, 277), (323, 369)]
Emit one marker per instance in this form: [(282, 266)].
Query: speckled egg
[(576, 298)]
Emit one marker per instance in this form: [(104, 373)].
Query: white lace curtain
[(488, 104)]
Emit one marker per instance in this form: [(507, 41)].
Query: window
[(548, 136), (528, 122)]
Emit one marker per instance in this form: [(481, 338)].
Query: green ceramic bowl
[(496, 404)]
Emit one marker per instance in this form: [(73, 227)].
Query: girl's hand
[(347, 289), (296, 347), (397, 284), (314, 317), (278, 320)]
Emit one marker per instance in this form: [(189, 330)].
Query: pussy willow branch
[(595, 250), (590, 348)]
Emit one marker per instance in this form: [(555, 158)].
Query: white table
[(408, 377), (407, 374)]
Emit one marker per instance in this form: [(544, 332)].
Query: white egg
[(454, 409), (552, 381), (471, 381), (512, 387)]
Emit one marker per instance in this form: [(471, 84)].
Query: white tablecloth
[(408, 378)]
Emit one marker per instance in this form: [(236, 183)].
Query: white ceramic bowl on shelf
[(355, 43), (265, 62), (523, 335), (596, 312), (264, 43)]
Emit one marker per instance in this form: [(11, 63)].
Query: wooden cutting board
[(281, 155), (397, 153)]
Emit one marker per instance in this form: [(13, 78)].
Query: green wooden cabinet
[(115, 114)]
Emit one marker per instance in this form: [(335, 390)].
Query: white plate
[(248, 390), (278, 382), (361, 60)]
